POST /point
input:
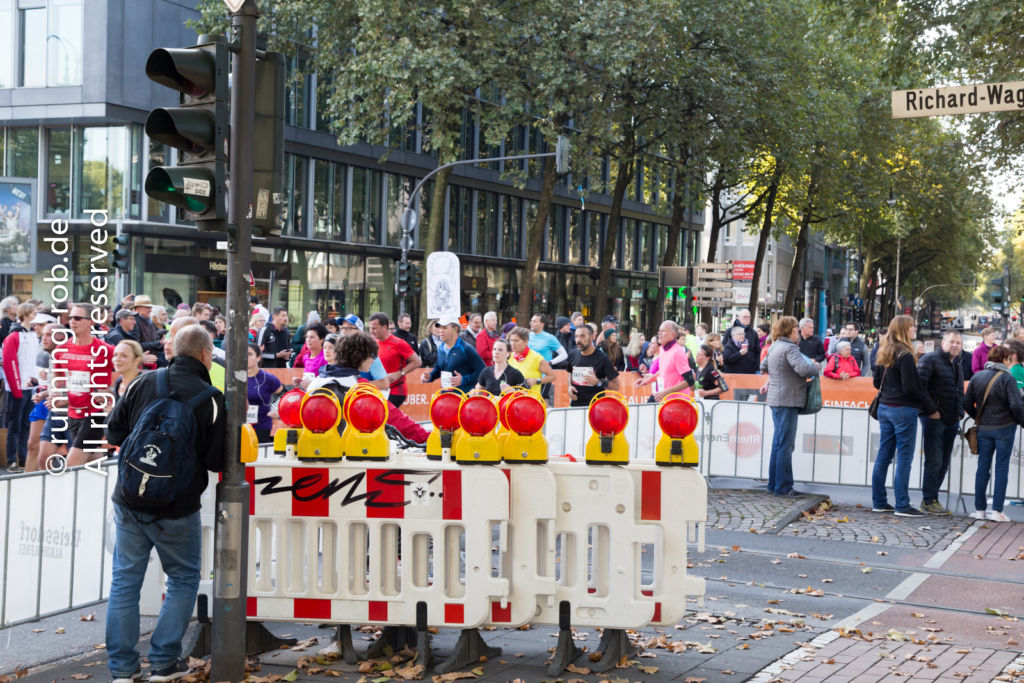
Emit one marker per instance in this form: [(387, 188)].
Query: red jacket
[(485, 343), (838, 365)]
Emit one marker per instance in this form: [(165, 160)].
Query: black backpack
[(158, 460)]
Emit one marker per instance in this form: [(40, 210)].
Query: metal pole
[(232, 529), (899, 245)]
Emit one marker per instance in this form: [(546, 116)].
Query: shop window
[(595, 232), (295, 195), (58, 172), (159, 155), (511, 226), (486, 223), (100, 156), (399, 189), (460, 218), (21, 155), (323, 216), (366, 191), (662, 232)]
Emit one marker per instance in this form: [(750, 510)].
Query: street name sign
[(959, 99)]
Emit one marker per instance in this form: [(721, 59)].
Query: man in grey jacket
[(788, 371)]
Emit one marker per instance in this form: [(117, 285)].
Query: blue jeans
[(938, 438), (899, 430), (179, 545), (780, 465), (999, 441), (18, 410)]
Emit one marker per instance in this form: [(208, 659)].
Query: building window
[(64, 43), (627, 238), (21, 155), (58, 172), (324, 226), (159, 155), (556, 234), (399, 189), (32, 25), (511, 226), (298, 94), (295, 195), (486, 223), (728, 236), (575, 237), (460, 218), (366, 195), (646, 245), (100, 170), (595, 231), (6, 53)]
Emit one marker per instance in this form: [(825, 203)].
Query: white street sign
[(234, 5), (443, 283), (960, 99)]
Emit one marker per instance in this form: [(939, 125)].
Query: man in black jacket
[(941, 378), (810, 343), (274, 340), (147, 331), (175, 531), (124, 329)]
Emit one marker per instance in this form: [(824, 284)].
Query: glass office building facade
[(340, 238)]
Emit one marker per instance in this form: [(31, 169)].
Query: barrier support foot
[(470, 648), (395, 637), (422, 636), (613, 647), (566, 651), (258, 638), (346, 649)]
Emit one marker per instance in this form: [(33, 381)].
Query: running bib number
[(446, 379), (252, 415), (582, 375), (78, 382)]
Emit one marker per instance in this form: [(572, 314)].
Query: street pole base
[(613, 647), (470, 648)]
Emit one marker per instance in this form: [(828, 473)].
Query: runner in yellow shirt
[(535, 369)]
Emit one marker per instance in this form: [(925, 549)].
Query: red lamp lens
[(444, 411), (319, 413), (478, 415), (608, 416), (367, 413), (525, 415), (503, 407), (677, 418), (288, 408)]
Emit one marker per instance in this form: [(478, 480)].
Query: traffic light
[(416, 278), (121, 253), (995, 295), (403, 277), (562, 148), (198, 129)]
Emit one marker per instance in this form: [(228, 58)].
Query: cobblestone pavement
[(758, 511), (858, 524)]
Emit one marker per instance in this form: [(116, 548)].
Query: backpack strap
[(202, 396), (162, 388)]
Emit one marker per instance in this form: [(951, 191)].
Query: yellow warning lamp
[(321, 414), (608, 415), (478, 414), (525, 415), (249, 445), (444, 415), (503, 431), (366, 413), (677, 417), (286, 440)]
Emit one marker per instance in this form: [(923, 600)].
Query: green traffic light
[(190, 187)]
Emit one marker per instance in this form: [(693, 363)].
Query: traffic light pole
[(232, 530)]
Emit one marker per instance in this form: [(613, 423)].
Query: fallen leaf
[(38, 630), (91, 616), (865, 570), (917, 615), (582, 670), (454, 676), (648, 669), (80, 677), (60, 630), (796, 556), (988, 610), (291, 676)]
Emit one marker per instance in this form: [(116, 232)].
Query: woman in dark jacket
[(899, 403), (740, 356), (1000, 413)]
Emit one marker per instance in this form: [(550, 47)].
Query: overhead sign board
[(960, 99)]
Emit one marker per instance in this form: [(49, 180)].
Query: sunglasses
[(78, 317)]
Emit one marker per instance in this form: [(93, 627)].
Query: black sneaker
[(169, 673), (909, 512), (883, 508), (792, 493)]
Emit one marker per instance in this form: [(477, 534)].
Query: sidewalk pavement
[(953, 563)]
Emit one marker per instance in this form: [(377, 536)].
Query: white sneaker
[(997, 516), (979, 514)]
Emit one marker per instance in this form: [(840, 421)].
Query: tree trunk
[(716, 218), (762, 241), (611, 240), (535, 242), (796, 276), (432, 239), (674, 228)]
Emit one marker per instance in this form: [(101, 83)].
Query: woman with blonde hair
[(127, 361), (633, 351), (900, 401), (788, 371)]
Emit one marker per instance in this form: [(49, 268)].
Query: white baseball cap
[(446, 320)]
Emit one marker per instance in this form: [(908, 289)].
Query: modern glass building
[(73, 103)]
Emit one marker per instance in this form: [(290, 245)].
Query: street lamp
[(891, 201)]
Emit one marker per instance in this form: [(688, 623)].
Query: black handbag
[(873, 408)]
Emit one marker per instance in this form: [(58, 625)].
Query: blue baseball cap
[(353, 319)]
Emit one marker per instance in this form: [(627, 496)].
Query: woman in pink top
[(989, 338), (312, 357), (673, 373)]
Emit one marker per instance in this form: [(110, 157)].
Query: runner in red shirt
[(395, 355), (86, 366)]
